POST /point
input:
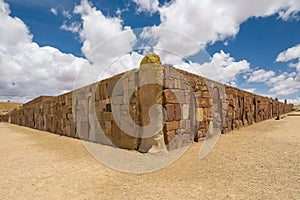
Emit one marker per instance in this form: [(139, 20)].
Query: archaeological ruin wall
[(115, 110)]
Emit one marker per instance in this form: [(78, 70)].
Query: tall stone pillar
[(150, 97)]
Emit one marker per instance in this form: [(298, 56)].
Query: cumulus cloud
[(287, 83), (289, 54), (150, 6), (103, 37), (222, 68), (261, 76), (285, 86), (107, 44), (209, 21), (27, 69), (227, 67)]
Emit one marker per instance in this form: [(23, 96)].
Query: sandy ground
[(256, 162)]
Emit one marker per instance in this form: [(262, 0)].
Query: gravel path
[(256, 162)]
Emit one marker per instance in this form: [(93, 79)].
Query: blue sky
[(254, 46)]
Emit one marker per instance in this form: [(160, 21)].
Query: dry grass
[(7, 106)]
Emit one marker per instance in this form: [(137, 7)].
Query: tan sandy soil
[(256, 162), (7, 106)]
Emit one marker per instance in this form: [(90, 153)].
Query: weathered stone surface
[(185, 111), (151, 78), (177, 112), (186, 98), (174, 96), (169, 136), (172, 125), (200, 114), (170, 112), (150, 58), (203, 102)]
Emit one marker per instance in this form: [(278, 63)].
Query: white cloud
[(66, 14), (209, 21), (121, 64), (227, 67), (53, 11), (74, 27), (119, 12), (290, 11), (285, 86), (289, 54), (295, 101), (48, 66), (277, 79), (251, 90), (281, 85), (28, 70), (103, 37), (221, 68), (287, 83), (150, 6), (172, 46), (4, 8), (261, 76)]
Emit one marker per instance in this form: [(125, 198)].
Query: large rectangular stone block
[(170, 112), (172, 125)]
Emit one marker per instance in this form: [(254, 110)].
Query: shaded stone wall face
[(86, 113), (53, 114), (189, 101)]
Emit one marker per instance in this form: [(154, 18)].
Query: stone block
[(172, 125), (169, 83), (169, 136), (203, 102), (185, 111), (182, 124), (174, 96), (170, 112), (83, 130), (200, 114), (117, 100), (202, 125), (132, 85), (188, 127), (205, 94), (178, 114), (126, 97)]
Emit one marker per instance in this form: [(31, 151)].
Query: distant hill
[(7, 106)]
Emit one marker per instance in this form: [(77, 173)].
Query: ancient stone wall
[(4, 118), (200, 100), (107, 111), (86, 113)]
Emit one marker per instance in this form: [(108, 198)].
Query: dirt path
[(257, 162)]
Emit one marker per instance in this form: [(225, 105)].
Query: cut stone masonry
[(106, 111)]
